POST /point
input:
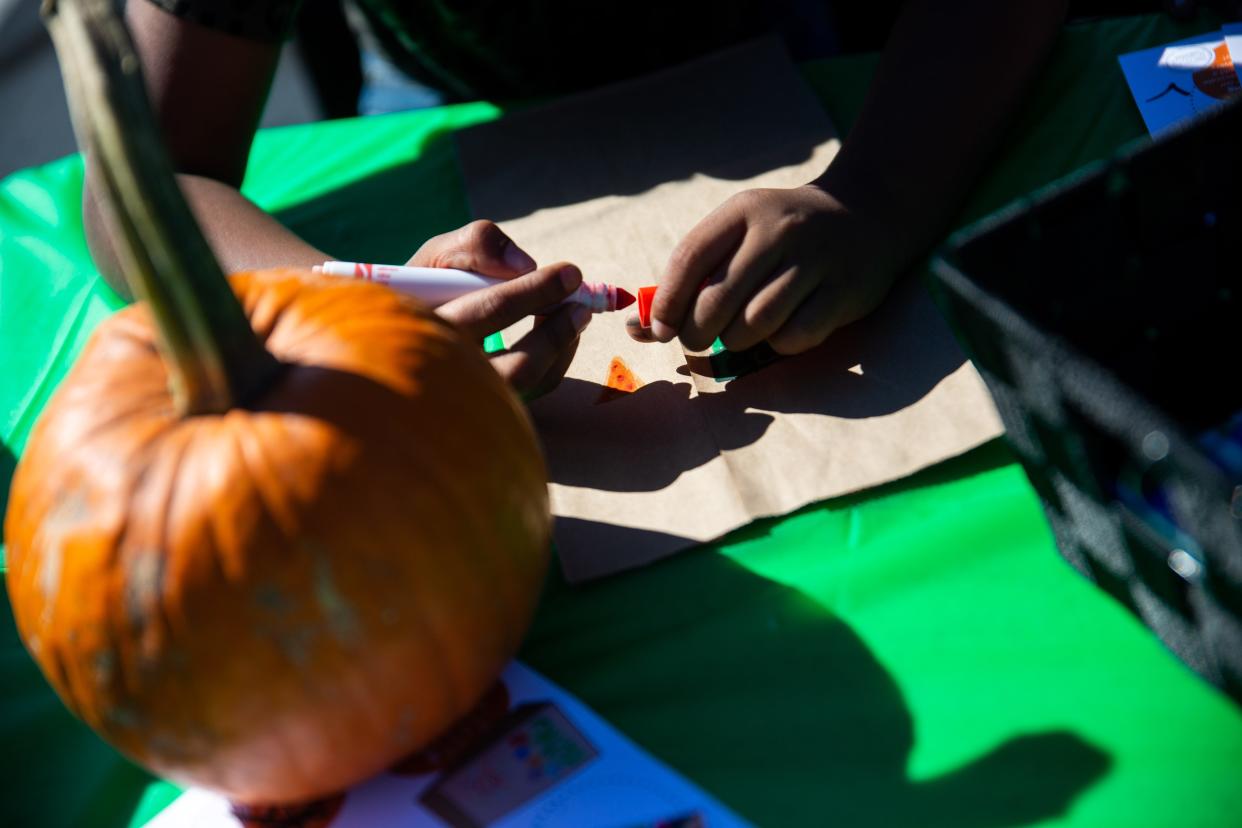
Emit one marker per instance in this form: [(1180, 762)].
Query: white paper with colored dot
[(601, 780)]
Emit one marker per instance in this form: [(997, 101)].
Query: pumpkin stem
[(214, 358)]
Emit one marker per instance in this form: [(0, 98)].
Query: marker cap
[(646, 295)]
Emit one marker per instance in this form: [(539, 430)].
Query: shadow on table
[(55, 770), (729, 116), (597, 541), (779, 708)]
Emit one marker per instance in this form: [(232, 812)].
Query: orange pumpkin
[(280, 576)]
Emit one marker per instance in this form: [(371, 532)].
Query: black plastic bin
[(1105, 314)]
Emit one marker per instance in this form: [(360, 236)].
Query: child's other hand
[(537, 362), (784, 266)]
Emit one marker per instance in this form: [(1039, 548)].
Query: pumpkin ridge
[(462, 498), (436, 633), (307, 318), (131, 555), (60, 675), (82, 380), (185, 439), (219, 543), (303, 322), (258, 466)]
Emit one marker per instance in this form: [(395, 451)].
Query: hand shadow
[(645, 440), (633, 136), (777, 706), (386, 215)]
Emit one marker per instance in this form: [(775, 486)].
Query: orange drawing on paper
[(1218, 80), (620, 380)]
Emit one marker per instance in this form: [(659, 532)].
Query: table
[(915, 655)]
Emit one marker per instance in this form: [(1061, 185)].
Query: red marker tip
[(624, 298)]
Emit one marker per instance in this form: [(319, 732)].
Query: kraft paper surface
[(611, 180)]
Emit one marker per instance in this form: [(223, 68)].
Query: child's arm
[(208, 89), (791, 266)]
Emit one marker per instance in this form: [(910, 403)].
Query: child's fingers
[(529, 365), (556, 371), (721, 299), (809, 325), (769, 308), (696, 257), (480, 246), (496, 308)]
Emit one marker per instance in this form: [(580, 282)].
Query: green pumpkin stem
[(214, 358)]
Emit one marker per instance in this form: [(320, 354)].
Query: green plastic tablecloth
[(918, 655)]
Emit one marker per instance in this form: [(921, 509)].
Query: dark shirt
[(507, 49)]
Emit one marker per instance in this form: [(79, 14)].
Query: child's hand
[(784, 266), (535, 364)]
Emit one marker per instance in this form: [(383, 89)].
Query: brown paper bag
[(612, 180)]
